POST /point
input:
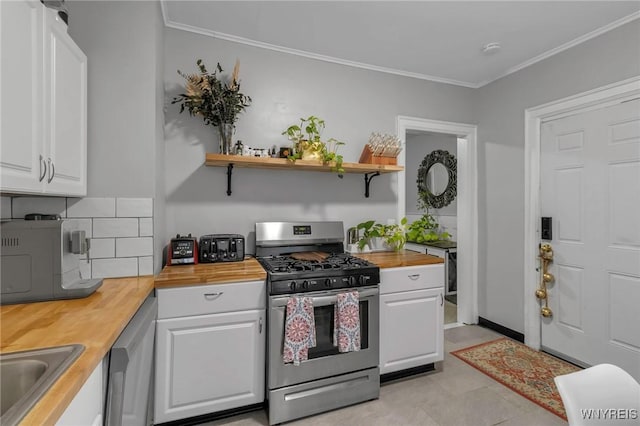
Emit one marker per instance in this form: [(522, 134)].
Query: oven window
[(324, 330)]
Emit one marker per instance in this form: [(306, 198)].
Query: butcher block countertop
[(396, 259), (211, 273), (95, 322)]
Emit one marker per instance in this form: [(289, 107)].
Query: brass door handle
[(546, 256)]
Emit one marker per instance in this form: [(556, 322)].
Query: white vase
[(377, 244)]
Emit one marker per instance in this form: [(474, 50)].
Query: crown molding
[(325, 58), (311, 55)]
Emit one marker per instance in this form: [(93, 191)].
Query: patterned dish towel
[(299, 331), (346, 318)]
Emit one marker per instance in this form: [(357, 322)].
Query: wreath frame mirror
[(445, 198)]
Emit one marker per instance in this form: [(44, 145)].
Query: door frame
[(534, 117), (467, 203)]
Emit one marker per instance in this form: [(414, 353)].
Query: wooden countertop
[(396, 259), (210, 273), (95, 322)]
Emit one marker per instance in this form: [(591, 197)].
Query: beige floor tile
[(450, 312), (480, 407), (537, 417)]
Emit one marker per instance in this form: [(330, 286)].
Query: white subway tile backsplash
[(5, 207), (45, 205), (145, 265), (102, 248), (120, 227), (146, 227), (134, 207), (130, 247), (91, 207), (119, 267)]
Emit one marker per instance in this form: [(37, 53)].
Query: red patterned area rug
[(523, 370)]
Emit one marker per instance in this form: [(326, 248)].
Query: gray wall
[(353, 102), (418, 147), (499, 111), (123, 42)]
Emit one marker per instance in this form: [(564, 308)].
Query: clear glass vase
[(226, 138)]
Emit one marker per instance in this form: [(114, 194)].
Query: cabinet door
[(87, 406), (411, 329), (65, 72), (21, 144), (209, 363)]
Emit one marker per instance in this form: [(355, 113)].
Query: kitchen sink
[(26, 376)]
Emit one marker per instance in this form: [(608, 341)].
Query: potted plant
[(380, 236), (395, 235), (425, 230), (308, 145), (370, 230), (218, 101)]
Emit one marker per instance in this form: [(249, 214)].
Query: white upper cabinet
[(43, 115), (65, 73), (21, 142)]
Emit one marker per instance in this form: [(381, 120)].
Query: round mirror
[(437, 179)]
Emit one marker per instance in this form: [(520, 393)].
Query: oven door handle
[(326, 300)]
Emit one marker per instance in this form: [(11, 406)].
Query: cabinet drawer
[(210, 299), (408, 278)]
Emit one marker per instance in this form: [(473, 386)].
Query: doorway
[(466, 210), (590, 101)]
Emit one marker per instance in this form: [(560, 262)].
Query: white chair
[(600, 395)]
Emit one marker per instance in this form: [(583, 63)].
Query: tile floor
[(450, 312), (455, 394)]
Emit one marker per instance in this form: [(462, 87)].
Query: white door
[(590, 186)]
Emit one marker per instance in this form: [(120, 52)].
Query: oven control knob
[(362, 279), (292, 286), (327, 282), (352, 281), (305, 285)]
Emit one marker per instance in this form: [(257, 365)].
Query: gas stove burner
[(335, 261), (287, 275)]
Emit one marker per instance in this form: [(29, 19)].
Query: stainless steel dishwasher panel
[(130, 378)]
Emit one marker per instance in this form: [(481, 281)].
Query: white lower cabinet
[(211, 361), (411, 317), (87, 406)]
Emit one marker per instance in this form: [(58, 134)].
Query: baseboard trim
[(483, 322), (192, 421), (406, 373)]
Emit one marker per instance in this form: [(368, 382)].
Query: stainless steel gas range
[(307, 259)]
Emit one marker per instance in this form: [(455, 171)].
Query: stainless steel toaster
[(40, 260)]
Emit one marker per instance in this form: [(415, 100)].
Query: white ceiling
[(432, 40)]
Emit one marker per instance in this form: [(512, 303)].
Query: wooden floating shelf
[(221, 160), (230, 161)]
